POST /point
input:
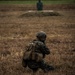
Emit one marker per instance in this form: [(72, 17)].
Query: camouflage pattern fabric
[(34, 54), (31, 53)]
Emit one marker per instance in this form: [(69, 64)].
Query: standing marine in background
[(39, 5), (35, 53)]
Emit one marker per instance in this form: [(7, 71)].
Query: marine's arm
[(44, 49)]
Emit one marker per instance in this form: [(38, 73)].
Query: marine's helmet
[(41, 36)]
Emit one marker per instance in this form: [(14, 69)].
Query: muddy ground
[(16, 31)]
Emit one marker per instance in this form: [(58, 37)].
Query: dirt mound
[(40, 13)]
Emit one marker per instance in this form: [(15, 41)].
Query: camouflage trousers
[(36, 65)]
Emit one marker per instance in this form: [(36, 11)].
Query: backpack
[(31, 54)]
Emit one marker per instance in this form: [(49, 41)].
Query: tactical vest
[(32, 52)]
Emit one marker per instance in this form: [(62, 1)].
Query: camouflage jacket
[(40, 47)]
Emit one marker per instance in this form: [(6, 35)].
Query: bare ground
[(16, 32)]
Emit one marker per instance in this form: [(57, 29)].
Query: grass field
[(34, 2), (16, 31)]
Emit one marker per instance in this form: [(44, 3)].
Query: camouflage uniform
[(42, 49)]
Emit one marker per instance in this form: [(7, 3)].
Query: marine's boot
[(48, 68)]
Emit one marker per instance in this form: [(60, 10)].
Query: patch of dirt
[(25, 7)]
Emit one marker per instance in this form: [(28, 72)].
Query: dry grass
[(16, 32)]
